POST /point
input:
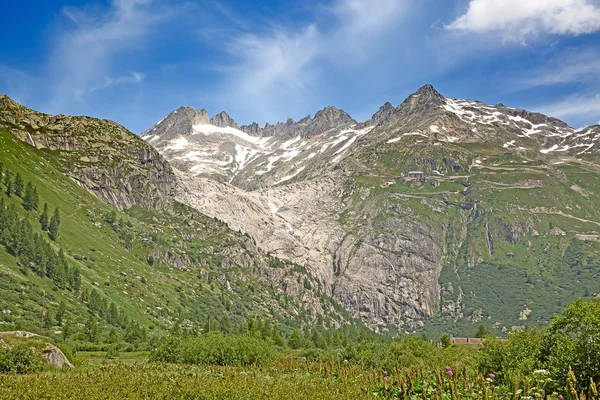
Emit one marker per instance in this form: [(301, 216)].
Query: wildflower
[(492, 376), (448, 371), (385, 372), (560, 396), (541, 372)]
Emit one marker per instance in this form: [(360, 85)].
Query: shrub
[(19, 360), (573, 341), (520, 354), (216, 348)]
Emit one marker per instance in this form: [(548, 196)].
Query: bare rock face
[(55, 357), (384, 279), (223, 120), (102, 156)]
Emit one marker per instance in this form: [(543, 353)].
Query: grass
[(285, 380)]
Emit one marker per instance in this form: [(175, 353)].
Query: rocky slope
[(336, 196), (102, 156), (148, 259)]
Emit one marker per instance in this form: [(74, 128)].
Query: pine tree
[(54, 225), (18, 185), (60, 314), (8, 183), (35, 199), (296, 340), (76, 285), (44, 218), (30, 198), (481, 332)]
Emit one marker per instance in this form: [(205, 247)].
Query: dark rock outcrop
[(108, 160)]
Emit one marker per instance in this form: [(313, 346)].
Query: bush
[(19, 360), (520, 354), (216, 348), (573, 340)]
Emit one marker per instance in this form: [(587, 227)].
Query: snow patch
[(207, 129), (287, 178), (178, 144)]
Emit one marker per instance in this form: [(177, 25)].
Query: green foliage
[(112, 353), (44, 218), (445, 340), (18, 185), (217, 349), (8, 183), (481, 332), (19, 360), (574, 255), (573, 341), (521, 354), (30, 198), (54, 225)]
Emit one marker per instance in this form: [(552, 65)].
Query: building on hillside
[(414, 175), (467, 340)]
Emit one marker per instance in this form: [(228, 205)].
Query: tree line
[(21, 240)]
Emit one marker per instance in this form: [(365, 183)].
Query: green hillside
[(519, 234), (139, 269)]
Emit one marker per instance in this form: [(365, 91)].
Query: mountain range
[(435, 215)]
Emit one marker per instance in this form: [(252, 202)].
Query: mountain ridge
[(381, 210)]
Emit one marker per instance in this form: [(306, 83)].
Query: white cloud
[(584, 107), (132, 78), (282, 67), (84, 57), (517, 19)]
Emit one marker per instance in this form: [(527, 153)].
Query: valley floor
[(285, 380)]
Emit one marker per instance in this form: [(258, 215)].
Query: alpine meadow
[(439, 248)]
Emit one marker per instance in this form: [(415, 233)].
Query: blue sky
[(133, 61)]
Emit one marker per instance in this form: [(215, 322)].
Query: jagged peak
[(423, 100), (223, 120), (428, 90), (306, 119), (330, 113)]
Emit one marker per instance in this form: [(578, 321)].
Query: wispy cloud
[(518, 19), (583, 107), (83, 57), (573, 65), (284, 66)]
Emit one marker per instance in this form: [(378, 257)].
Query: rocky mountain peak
[(252, 129), (331, 114), (383, 113), (422, 101), (223, 120)]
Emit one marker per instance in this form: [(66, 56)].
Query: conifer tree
[(54, 225), (60, 314), (76, 282), (35, 199), (30, 198), (18, 185), (8, 183), (44, 218)]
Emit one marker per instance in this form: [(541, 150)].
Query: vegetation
[(105, 279), (536, 364)]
